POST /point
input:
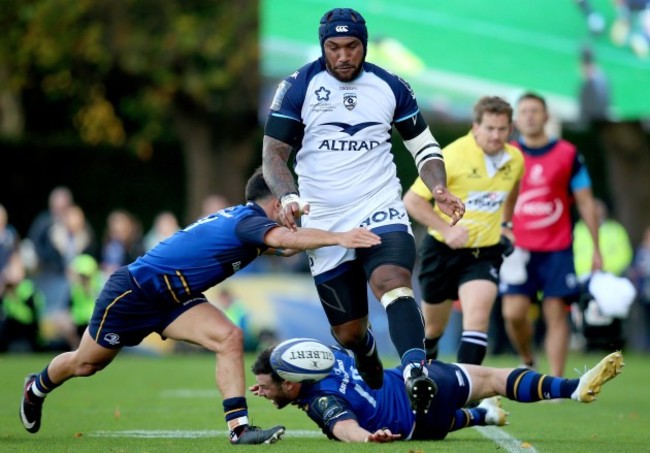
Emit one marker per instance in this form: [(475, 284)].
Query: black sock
[(473, 347), (366, 346), (406, 328), (431, 347)]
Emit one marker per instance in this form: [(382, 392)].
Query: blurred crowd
[(50, 278)]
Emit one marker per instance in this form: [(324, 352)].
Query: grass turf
[(150, 404)]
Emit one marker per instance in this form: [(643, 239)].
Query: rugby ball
[(302, 360)]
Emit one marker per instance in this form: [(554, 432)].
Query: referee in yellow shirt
[(462, 262)]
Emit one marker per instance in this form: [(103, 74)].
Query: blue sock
[(528, 386), (468, 417), (236, 411), (43, 385)]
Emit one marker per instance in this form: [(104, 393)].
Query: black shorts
[(343, 291), (444, 269)]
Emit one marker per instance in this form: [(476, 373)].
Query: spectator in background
[(632, 26), (9, 239), (614, 243), (9, 242), (50, 273), (123, 243), (463, 261), (164, 225), (85, 285), (237, 312), (554, 176), (73, 236), (213, 203), (70, 237), (595, 91), (640, 273), (21, 305)]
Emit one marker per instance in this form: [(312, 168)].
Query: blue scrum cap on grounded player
[(343, 22)]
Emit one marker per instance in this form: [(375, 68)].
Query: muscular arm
[(277, 175), (509, 210), (421, 210), (434, 174), (587, 208), (311, 238)]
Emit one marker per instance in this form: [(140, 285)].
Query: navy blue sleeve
[(327, 410), (251, 230)]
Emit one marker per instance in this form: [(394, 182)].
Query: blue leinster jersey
[(351, 398), (343, 395), (203, 254)]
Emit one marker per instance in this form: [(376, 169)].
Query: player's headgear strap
[(343, 22)]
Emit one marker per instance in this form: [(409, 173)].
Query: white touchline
[(505, 440), (185, 434), (498, 436)]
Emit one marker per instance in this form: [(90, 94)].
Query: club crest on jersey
[(322, 94), (350, 100), (112, 339)]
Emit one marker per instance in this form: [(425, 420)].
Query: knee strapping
[(391, 296)]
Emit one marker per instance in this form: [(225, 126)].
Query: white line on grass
[(177, 433), (498, 436), (505, 440)]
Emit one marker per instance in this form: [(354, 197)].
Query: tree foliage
[(131, 72)]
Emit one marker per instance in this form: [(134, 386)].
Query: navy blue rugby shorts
[(124, 315)]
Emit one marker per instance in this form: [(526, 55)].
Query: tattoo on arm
[(434, 173), (275, 155)]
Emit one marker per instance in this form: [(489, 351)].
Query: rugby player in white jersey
[(338, 113)]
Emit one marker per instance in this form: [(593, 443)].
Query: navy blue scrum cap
[(343, 22)]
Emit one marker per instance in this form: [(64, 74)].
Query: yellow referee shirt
[(482, 184)]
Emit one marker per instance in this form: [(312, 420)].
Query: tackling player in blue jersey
[(162, 292), (347, 409), (338, 113)]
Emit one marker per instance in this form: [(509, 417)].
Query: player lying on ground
[(162, 292), (347, 409)]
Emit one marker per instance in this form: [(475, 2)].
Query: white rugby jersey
[(344, 162)]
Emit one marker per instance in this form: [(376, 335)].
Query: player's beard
[(348, 75)]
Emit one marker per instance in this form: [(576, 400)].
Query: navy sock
[(431, 348), (43, 385), (366, 346), (528, 386), (473, 347), (406, 328), (236, 412), (468, 417)]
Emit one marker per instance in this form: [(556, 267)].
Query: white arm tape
[(391, 296), (291, 198), (423, 147)]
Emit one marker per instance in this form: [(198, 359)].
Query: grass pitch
[(170, 404)]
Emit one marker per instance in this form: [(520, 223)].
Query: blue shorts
[(454, 389), (551, 273), (124, 315)]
